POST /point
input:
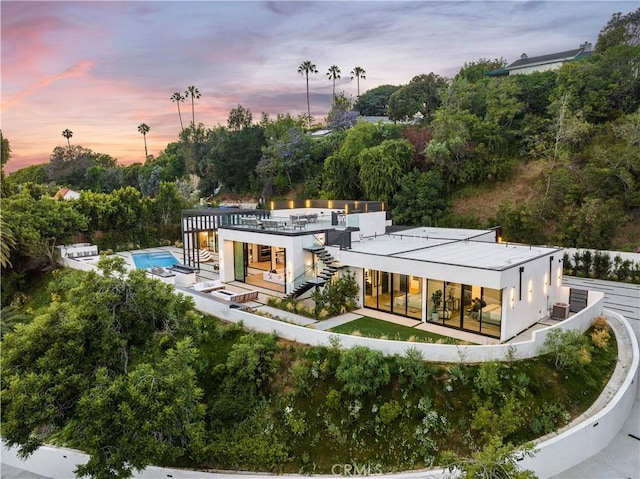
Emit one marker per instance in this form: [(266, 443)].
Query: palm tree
[(7, 243), (358, 73), (333, 74), (144, 129), (178, 98), (67, 134), (194, 93), (304, 69)]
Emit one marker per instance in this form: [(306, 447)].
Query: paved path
[(619, 297), (336, 321), (621, 458)]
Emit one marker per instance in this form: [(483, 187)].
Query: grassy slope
[(352, 429), (523, 188)]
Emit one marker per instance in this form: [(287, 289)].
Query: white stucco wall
[(432, 352), (593, 432), (537, 68)]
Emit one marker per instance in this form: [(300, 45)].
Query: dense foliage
[(577, 126), (119, 366)]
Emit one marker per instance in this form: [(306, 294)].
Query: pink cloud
[(79, 70)]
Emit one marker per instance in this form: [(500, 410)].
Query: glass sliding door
[(490, 316), (371, 288), (384, 293), (395, 293), (400, 286), (240, 261), (452, 304), (415, 303)]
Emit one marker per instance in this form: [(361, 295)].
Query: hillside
[(524, 188), (481, 201)]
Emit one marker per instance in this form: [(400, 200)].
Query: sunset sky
[(102, 68)]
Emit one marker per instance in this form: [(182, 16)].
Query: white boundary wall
[(595, 432), (561, 452), (446, 353)]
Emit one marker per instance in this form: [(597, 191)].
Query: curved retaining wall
[(446, 353), (584, 437), (596, 428)]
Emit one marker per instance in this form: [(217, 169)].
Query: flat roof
[(452, 247)]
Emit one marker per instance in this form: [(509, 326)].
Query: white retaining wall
[(433, 352), (561, 452), (595, 432)]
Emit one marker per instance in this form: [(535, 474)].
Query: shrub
[(300, 378), (412, 368), (488, 380), (600, 323), (333, 399), (587, 261), (600, 338), (569, 349), (549, 418), (251, 359), (389, 411), (337, 296), (362, 370), (601, 265)]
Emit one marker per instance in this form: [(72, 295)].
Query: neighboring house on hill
[(66, 194), (541, 63)]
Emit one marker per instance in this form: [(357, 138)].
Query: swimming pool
[(149, 260)]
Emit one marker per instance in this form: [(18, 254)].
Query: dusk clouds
[(102, 68)]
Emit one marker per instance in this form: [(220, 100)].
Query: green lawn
[(376, 328)]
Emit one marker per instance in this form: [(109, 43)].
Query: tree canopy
[(85, 369)]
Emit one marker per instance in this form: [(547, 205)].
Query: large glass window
[(490, 316), (483, 314), (456, 305), (397, 293), (414, 297)]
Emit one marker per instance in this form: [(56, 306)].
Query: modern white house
[(425, 274)]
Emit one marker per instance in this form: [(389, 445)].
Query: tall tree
[(620, 30), (375, 101), (67, 134), (7, 243), (565, 128), (194, 93), (240, 117), (422, 95), (358, 73), (304, 69), (5, 154), (38, 226), (144, 129), (118, 352), (334, 74), (382, 167), (178, 98)]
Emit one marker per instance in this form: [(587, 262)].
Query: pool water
[(149, 260)]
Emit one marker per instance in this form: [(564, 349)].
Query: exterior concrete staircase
[(329, 267)]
